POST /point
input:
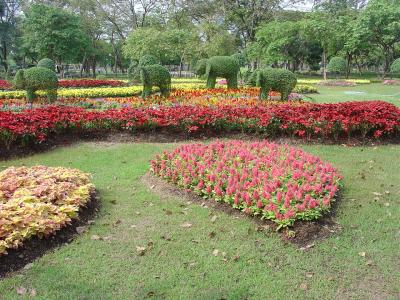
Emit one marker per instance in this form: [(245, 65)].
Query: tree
[(8, 19), (379, 24), (337, 65), (54, 33), (282, 42)]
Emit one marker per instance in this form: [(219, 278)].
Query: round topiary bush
[(337, 65), (269, 180), (37, 78), (47, 63), (395, 67), (38, 201), (278, 80)]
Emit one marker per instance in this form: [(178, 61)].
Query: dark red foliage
[(5, 85), (89, 83), (329, 121)]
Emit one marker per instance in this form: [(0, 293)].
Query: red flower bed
[(330, 121), (89, 83), (5, 85), (276, 182)]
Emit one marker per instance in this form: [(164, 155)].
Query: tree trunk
[(180, 67), (349, 59), (324, 64)]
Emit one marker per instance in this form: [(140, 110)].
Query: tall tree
[(379, 24), (54, 33), (8, 19)]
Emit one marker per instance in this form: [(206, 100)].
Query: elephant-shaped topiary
[(155, 75), (219, 66), (37, 78), (279, 80), (136, 65)]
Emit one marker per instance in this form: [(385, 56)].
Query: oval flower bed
[(38, 201), (276, 182)]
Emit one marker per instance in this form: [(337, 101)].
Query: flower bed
[(275, 182), (391, 82), (328, 121), (38, 201), (343, 83), (4, 85), (73, 83)]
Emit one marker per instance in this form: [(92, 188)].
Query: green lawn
[(181, 264), (361, 92)]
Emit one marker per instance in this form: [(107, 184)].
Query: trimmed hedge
[(337, 65)]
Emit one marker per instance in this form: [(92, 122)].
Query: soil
[(302, 235), (34, 248), (168, 136)]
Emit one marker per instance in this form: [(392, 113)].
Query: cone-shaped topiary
[(47, 63), (37, 78), (219, 66), (395, 67), (279, 80), (155, 75)]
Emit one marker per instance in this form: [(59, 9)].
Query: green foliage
[(395, 67), (47, 63), (337, 65), (155, 75), (37, 78), (48, 31), (219, 66), (250, 78), (102, 77), (280, 80), (240, 58), (135, 67)]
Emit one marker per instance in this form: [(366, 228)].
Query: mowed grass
[(361, 92), (181, 264)]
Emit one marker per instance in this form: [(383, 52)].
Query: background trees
[(112, 33)]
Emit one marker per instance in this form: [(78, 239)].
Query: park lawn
[(185, 268), (372, 91)]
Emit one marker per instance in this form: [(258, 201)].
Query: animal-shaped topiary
[(47, 63), (219, 66), (155, 75), (134, 68), (279, 80), (34, 79)]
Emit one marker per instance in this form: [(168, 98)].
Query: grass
[(184, 267), (372, 91)]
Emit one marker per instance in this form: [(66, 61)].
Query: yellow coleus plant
[(37, 201)]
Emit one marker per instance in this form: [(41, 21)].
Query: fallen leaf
[(362, 254), (186, 225), (307, 246), (212, 234), (21, 290), (81, 229), (309, 275), (377, 194), (213, 219), (152, 187), (28, 266), (304, 286), (236, 258), (141, 250), (32, 293), (369, 262), (215, 252), (95, 237), (168, 212)]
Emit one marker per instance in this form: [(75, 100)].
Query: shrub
[(38, 201), (337, 65), (250, 78), (155, 75), (395, 67), (37, 78), (47, 63), (219, 66), (305, 89), (145, 60), (279, 80), (273, 181)]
